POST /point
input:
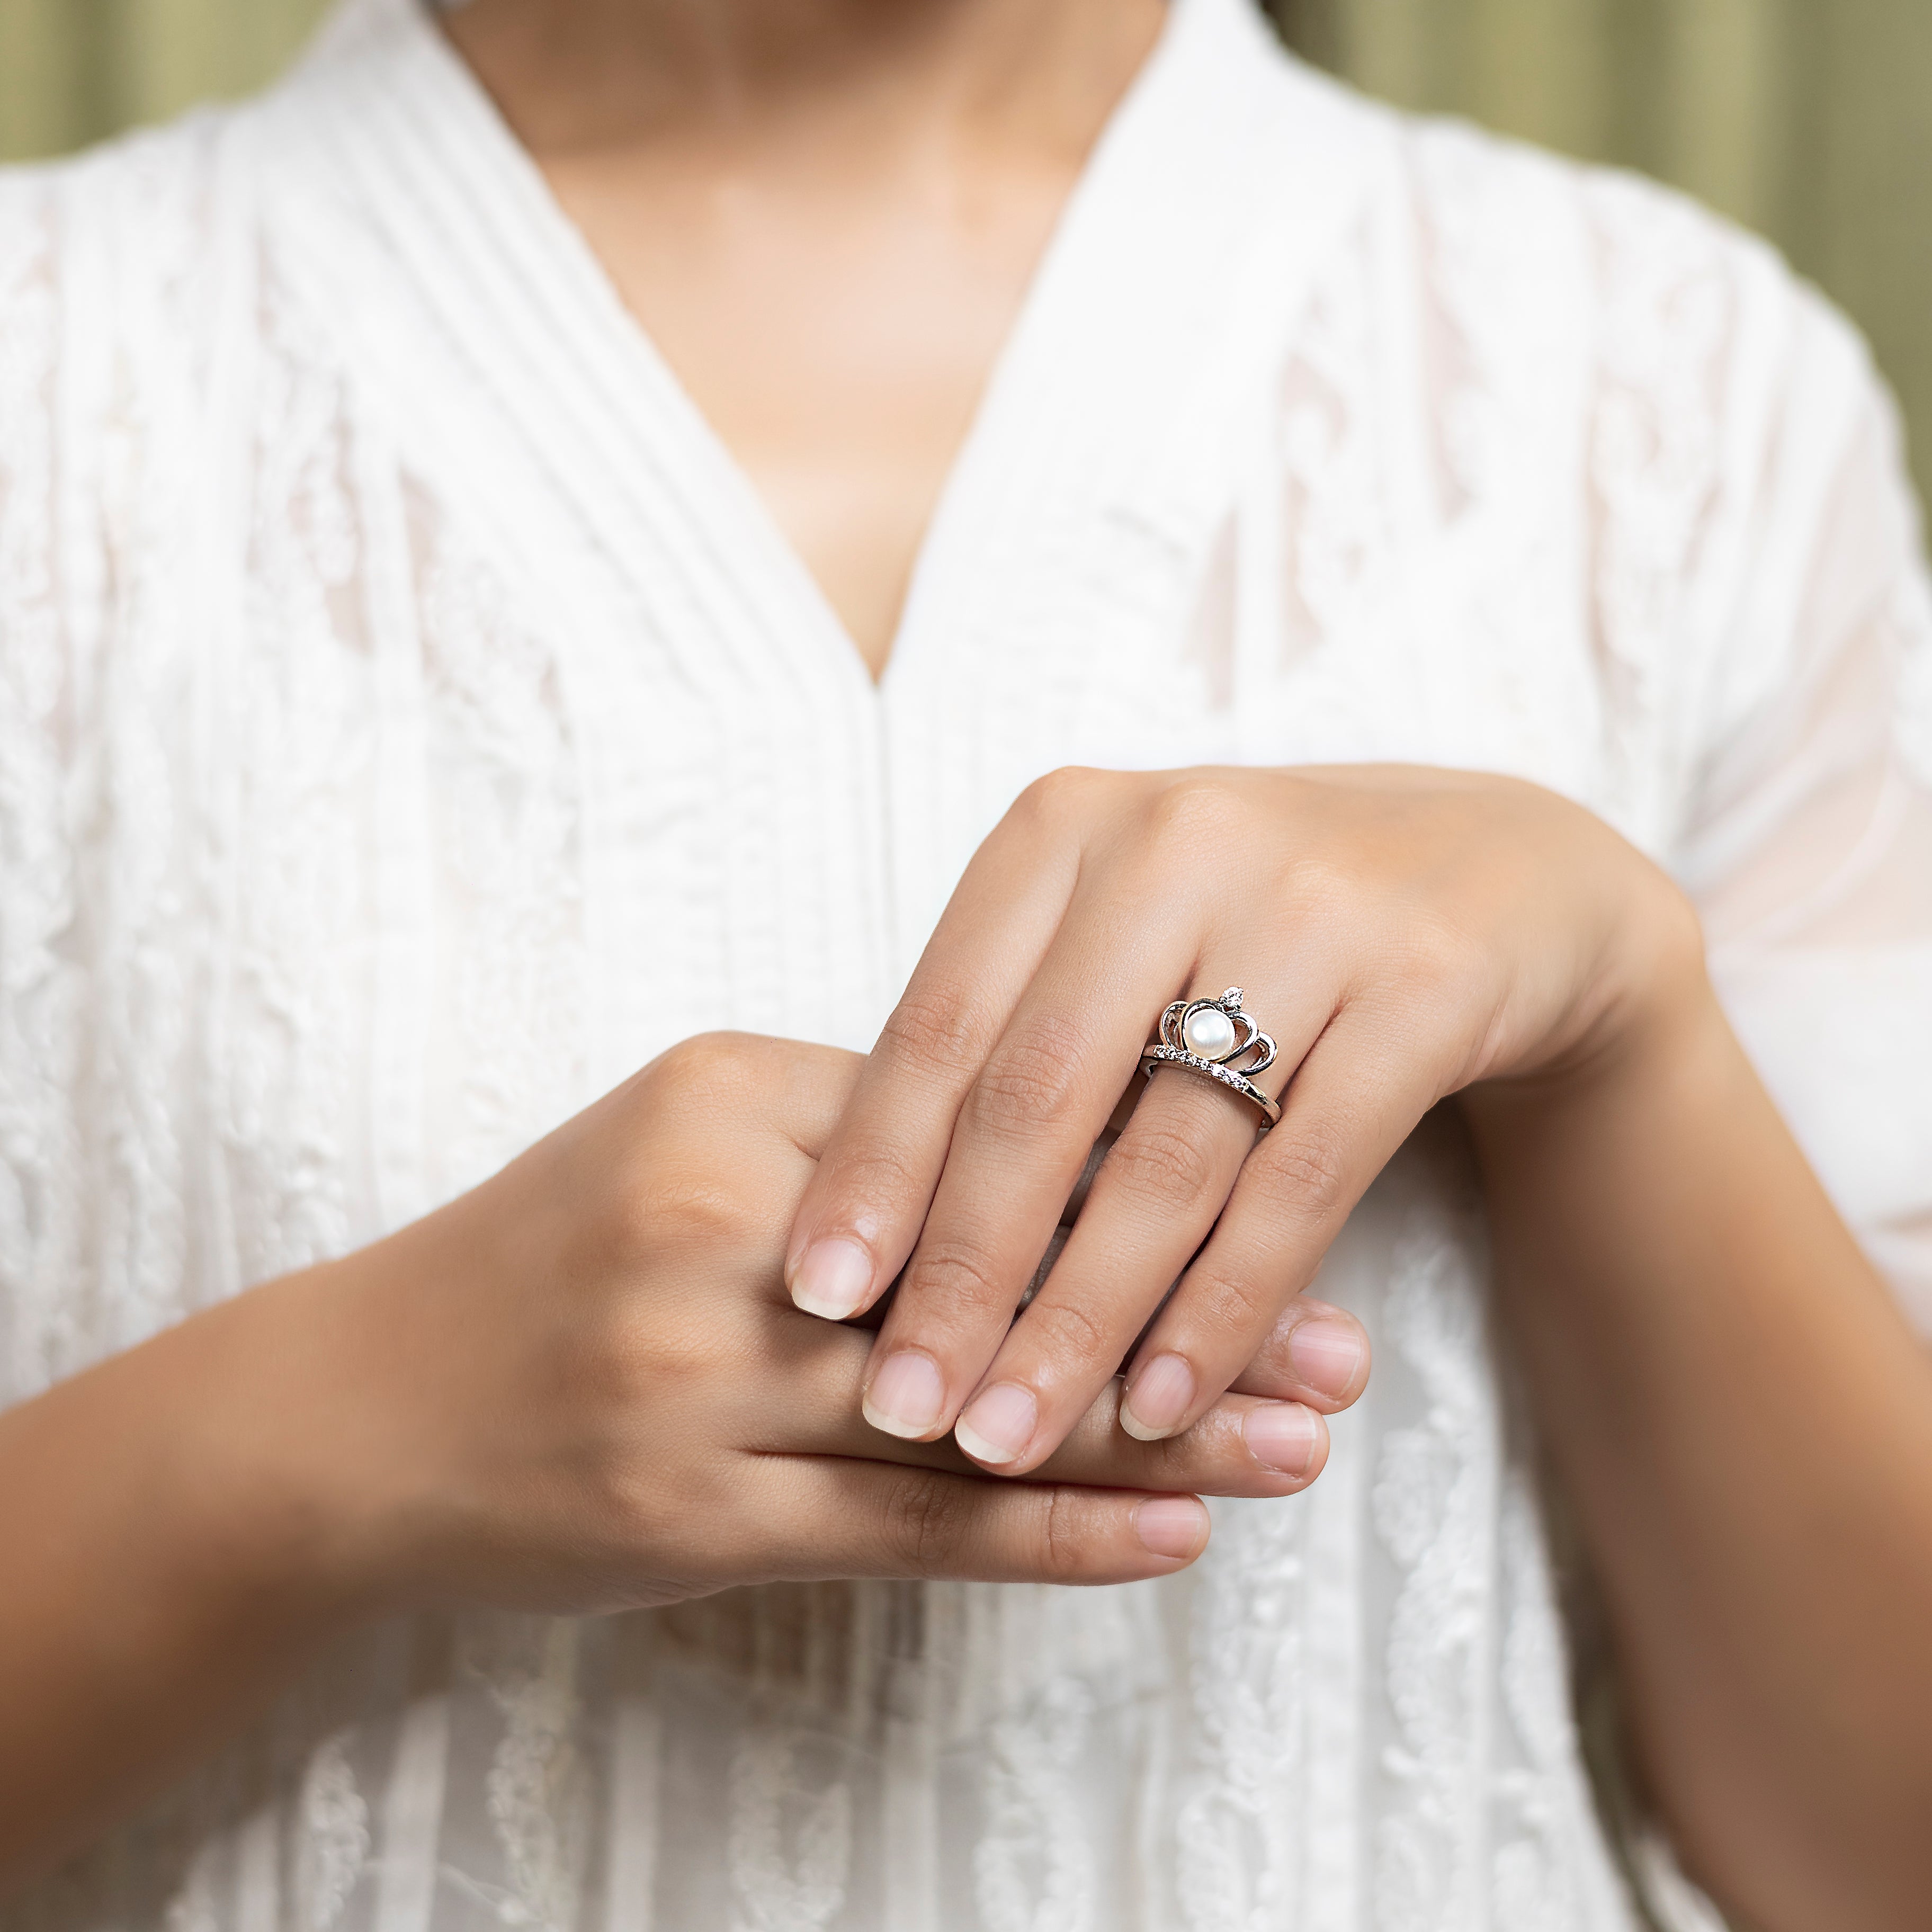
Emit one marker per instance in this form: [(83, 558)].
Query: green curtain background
[(1809, 120)]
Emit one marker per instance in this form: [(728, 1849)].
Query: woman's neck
[(825, 214), (886, 80)]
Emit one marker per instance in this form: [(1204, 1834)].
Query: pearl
[(1209, 1033)]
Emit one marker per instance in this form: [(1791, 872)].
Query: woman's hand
[(583, 1387), (1401, 932), (580, 1387)]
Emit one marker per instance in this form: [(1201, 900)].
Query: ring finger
[(1154, 1200)]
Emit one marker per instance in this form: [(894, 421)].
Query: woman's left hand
[(1401, 932)]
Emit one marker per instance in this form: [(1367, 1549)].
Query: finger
[(817, 1084), (1356, 1099), (863, 1209), (1242, 1447), (794, 1088), (1023, 1134), (851, 1516), (1152, 1205), (1316, 1354), (873, 1319), (1117, 1123)]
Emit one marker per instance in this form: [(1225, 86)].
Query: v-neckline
[(1000, 409), (1104, 443)]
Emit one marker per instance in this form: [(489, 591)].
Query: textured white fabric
[(409, 719)]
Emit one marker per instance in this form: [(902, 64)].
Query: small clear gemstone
[(1209, 1033)]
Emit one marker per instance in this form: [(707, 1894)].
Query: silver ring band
[(1207, 1037)]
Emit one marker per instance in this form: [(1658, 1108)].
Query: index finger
[(863, 1209)]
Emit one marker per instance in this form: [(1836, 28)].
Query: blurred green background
[(1809, 120)]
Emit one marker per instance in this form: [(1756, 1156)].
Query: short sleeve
[(1807, 843)]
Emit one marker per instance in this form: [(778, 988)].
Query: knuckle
[(704, 1059), (1062, 1542), (1272, 1372), (960, 1278), (1056, 796), (1033, 1079), (1304, 1176), (683, 1210), (1196, 811), (1442, 954), (926, 1520), (1159, 1160), (1318, 883), (1221, 1301), (873, 1170), (1066, 1331), (1197, 1459), (932, 1030), (639, 1360), (676, 1066)]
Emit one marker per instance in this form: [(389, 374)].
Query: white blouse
[(411, 721)]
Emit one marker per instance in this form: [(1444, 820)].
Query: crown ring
[(1216, 1040)]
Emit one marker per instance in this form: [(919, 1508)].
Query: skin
[(1721, 1379)]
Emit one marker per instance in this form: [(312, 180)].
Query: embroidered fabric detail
[(1337, 583), (43, 1322), (1432, 1500), (293, 814), (506, 809), (1669, 313), (1033, 1867), (538, 1792), (790, 1842), (334, 1844)]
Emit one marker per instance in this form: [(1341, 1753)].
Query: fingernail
[(1282, 1435), (1327, 1355), (998, 1425), (832, 1279), (907, 1395), (1172, 1525), (1158, 1397)]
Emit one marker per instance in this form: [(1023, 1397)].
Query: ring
[(1207, 1036)]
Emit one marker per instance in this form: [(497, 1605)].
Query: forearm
[(164, 1575), (1745, 1425)]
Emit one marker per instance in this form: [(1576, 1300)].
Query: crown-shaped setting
[(1218, 1032)]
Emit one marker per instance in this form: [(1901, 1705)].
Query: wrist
[(246, 1471), (1583, 1166), (1656, 1020), (166, 1578)]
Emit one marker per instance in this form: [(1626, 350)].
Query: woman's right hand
[(583, 1387)]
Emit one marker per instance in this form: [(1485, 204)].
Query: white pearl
[(1209, 1033)]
